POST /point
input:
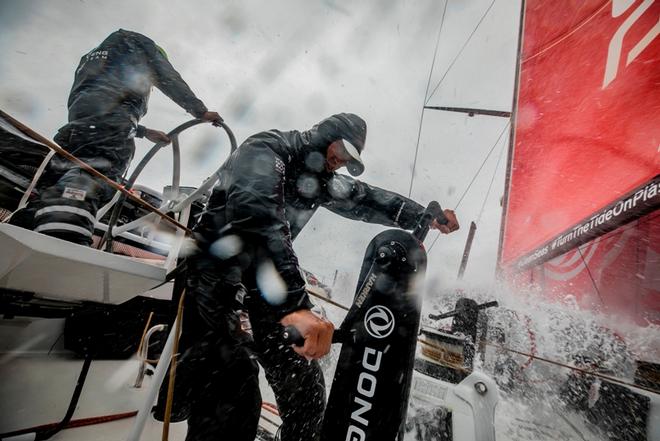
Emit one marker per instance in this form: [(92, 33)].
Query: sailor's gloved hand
[(450, 226), (156, 136), (316, 330), (212, 117)]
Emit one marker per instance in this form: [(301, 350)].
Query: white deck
[(55, 268), (37, 378)]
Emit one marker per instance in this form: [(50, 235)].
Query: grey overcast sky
[(289, 64)]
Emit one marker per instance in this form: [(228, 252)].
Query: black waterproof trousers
[(69, 197), (217, 385)]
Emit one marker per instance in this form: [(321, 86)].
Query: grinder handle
[(432, 212), (292, 336)]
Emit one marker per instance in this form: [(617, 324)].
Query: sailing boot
[(23, 218), (67, 209)]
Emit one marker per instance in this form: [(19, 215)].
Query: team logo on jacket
[(279, 166), (379, 321)]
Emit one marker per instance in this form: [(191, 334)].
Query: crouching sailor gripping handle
[(369, 394)]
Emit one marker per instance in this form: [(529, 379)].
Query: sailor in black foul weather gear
[(269, 188), (110, 94)]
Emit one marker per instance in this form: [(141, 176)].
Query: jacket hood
[(346, 126)]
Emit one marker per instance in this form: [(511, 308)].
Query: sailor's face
[(336, 156)]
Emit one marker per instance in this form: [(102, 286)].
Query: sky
[(290, 64)]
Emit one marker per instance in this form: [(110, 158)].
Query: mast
[(514, 109), (466, 251)]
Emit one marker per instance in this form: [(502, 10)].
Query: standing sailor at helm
[(269, 189)]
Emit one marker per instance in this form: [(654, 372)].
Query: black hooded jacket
[(116, 78), (271, 186)]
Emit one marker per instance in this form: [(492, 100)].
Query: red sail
[(585, 164)]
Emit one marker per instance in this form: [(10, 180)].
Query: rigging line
[(574, 368), (553, 362), (531, 356), (435, 51), (82, 422), (474, 178), (584, 262), (543, 359), (434, 241), (428, 85), (55, 342), (563, 37), (482, 164), (327, 300), (460, 52), (490, 186)]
